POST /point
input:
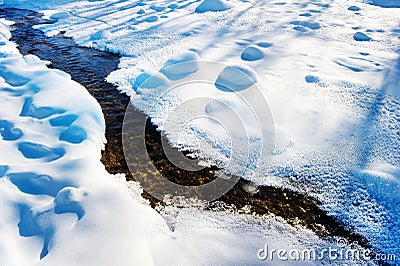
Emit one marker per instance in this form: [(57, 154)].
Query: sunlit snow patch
[(213, 6)]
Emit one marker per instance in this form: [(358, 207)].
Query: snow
[(265, 44), (175, 69), (361, 37), (385, 3), (54, 190), (60, 206), (236, 78), (330, 88), (213, 6), (252, 53), (354, 8), (313, 25), (101, 34), (311, 79)]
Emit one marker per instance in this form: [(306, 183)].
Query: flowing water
[(90, 68)]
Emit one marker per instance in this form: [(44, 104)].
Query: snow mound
[(385, 3), (149, 81), (361, 37), (236, 78), (313, 25), (69, 200), (213, 6), (180, 66), (312, 79), (252, 53), (354, 8), (265, 44)]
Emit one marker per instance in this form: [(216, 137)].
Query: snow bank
[(57, 198)]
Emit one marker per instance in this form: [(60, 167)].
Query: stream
[(90, 67)]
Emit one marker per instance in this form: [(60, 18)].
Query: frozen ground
[(329, 71)]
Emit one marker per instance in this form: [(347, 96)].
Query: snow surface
[(61, 207), (333, 94)]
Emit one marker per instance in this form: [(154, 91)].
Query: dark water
[(90, 67)]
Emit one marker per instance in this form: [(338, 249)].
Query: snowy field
[(325, 74)]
